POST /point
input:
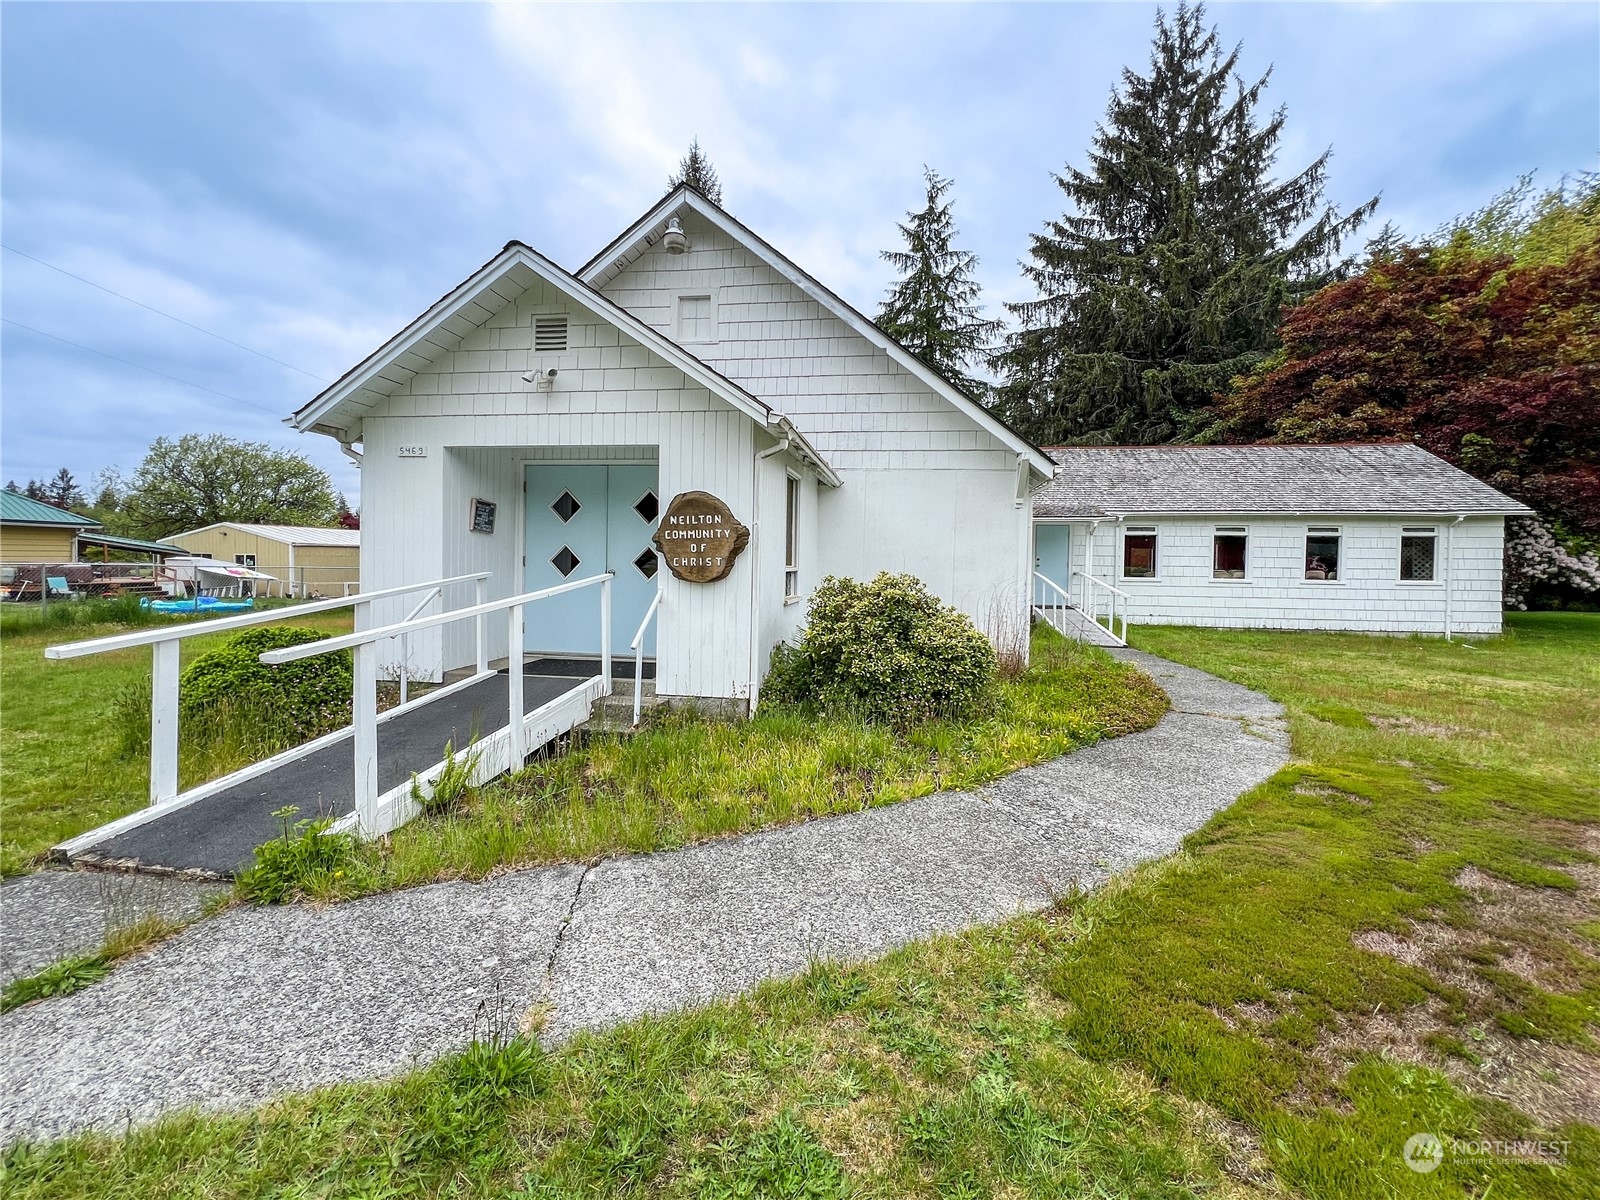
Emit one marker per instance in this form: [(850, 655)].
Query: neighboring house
[(568, 410), (1385, 538), (307, 560), (34, 532)]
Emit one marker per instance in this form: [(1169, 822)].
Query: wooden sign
[(699, 537), (483, 514)]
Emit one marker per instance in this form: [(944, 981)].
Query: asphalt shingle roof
[(1398, 478), (14, 506)]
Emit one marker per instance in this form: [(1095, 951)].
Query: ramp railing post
[(605, 636), (365, 720), (480, 628), (514, 727), (163, 721)]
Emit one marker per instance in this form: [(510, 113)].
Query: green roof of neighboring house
[(18, 508), (128, 543)]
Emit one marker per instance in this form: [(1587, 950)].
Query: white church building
[(537, 424)]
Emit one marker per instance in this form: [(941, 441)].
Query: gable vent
[(550, 333)]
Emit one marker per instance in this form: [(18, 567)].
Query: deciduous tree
[(204, 478)]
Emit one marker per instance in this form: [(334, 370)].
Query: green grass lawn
[(1398, 933), (62, 769)]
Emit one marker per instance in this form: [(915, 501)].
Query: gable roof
[(647, 230), (17, 509), (289, 535), (1380, 478), (477, 298)]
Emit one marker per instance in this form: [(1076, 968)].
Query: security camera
[(542, 377), (551, 373)]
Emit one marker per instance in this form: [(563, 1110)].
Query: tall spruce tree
[(1170, 274), (933, 311), (696, 170)]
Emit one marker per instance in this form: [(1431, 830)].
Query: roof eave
[(1038, 461), (517, 253)]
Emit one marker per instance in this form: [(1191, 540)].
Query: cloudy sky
[(304, 179)]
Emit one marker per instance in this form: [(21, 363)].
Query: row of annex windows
[(1323, 546)]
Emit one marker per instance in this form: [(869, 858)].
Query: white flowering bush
[(889, 651), (1538, 564)]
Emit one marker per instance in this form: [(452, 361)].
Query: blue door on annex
[(1051, 558), (585, 518)]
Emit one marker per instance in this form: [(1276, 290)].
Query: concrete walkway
[(258, 1002)]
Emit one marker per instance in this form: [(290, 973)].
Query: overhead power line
[(141, 366), (159, 312)]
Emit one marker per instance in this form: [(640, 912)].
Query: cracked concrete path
[(259, 1002)]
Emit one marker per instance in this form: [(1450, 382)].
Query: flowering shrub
[(1537, 565), (294, 701), (888, 651)]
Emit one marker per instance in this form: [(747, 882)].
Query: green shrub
[(306, 861), (888, 651), (287, 703)]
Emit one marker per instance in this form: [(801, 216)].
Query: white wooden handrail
[(364, 701), (1057, 622), (637, 646), (163, 642), (1092, 606), (173, 633)]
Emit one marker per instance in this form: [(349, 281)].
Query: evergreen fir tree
[(696, 171), (1170, 274), (933, 311), (63, 490)]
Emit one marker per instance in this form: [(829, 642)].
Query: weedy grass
[(1200, 1026), (71, 754), (58, 979), (686, 778)]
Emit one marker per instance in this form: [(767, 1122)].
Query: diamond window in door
[(648, 508), (565, 561), (566, 506), (646, 564)]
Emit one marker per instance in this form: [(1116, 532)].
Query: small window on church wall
[(1228, 554), (1139, 554), (791, 540), (694, 319)]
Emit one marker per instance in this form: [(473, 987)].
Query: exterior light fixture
[(675, 241)]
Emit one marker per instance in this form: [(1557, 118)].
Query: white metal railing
[(164, 646), (1091, 605), (637, 646), (364, 702)]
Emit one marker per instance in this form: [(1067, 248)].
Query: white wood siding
[(926, 489), (1368, 596), (479, 421)]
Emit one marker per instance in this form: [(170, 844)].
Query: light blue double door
[(585, 518)]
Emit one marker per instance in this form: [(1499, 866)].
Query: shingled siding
[(917, 470), (1276, 595), (858, 408), (478, 420)]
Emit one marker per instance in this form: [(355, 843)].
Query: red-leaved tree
[(1491, 365)]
